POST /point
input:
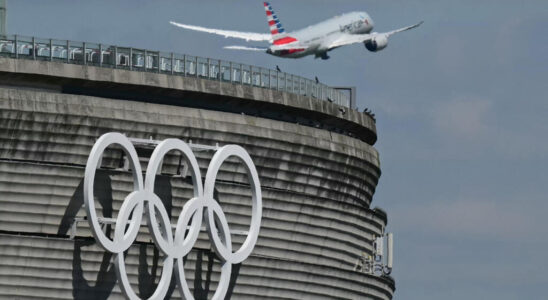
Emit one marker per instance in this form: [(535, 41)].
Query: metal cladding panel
[(288, 156), (310, 229), (317, 187), (55, 268)]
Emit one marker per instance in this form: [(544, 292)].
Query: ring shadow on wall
[(103, 193), (201, 286), (201, 289), (106, 276)]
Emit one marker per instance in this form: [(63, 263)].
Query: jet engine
[(378, 42)]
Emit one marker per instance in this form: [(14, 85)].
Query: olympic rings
[(144, 200)]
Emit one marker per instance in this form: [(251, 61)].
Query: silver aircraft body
[(317, 40)]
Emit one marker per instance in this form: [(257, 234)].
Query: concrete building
[(316, 162)]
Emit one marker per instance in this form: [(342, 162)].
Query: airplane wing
[(248, 36), (348, 39), (403, 29)]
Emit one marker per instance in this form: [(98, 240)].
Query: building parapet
[(110, 56)]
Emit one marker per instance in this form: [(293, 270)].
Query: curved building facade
[(315, 159)]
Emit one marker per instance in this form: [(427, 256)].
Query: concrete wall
[(178, 90), (317, 187)]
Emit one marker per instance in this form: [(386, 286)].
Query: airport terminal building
[(313, 151)]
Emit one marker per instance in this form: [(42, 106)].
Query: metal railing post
[(159, 61), (33, 49), (231, 73), (184, 65), (241, 74), (116, 57), (269, 79), (172, 62), (68, 51), (130, 59), (251, 76), (277, 80), (100, 55), (320, 91), (220, 73), (289, 83), (145, 61), (16, 44), (196, 67), (84, 53), (292, 84), (50, 50)]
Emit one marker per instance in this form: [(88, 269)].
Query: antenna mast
[(3, 15)]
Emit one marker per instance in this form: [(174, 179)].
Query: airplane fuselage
[(314, 39), (317, 39)]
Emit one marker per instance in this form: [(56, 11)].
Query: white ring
[(125, 286), (203, 203), (153, 165), (224, 280), (93, 163), (213, 207)]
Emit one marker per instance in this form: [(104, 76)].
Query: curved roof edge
[(198, 92)]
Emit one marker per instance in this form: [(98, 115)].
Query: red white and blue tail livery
[(276, 28), (317, 40)]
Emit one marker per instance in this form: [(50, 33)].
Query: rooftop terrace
[(110, 56)]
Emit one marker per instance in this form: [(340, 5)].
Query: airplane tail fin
[(276, 28)]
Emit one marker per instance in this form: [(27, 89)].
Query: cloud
[(463, 118), (475, 218), (395, 109), (451, 54), (473, 127)]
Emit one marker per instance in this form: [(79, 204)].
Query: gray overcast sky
[(462, 119)]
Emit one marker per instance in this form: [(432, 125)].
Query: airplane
[(317, 40)]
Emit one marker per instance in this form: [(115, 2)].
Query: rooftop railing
[(110, 56)]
